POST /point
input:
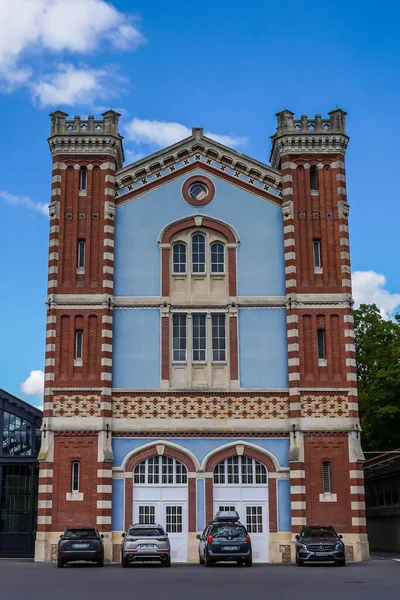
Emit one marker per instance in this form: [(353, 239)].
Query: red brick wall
[(66, 512), (334, 448)]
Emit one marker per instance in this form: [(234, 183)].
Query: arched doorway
[(241, 483), (160, 495)]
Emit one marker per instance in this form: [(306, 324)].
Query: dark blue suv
[(225, 539)]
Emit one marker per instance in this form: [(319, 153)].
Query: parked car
[(146, 543), (80, 543), (319, 543), (225, 539)]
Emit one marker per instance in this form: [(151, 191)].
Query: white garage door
[(241, 483), (160, 496)]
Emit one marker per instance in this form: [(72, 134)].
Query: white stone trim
[(297, 489), (109, 242), (294, 391), (340, 177), (286, 178), (45, 504), (106, 377), (109, 192), (53, 256), (109, 229), (110, 178), (59, 165), (345, 269), (337, 164), (346, 283), (295, 406), (49, 362), (53, 242), (105, 405), (290, 269), (356, 489), (107, 165), (45, 473), (351, 376), (74, 496), (350, 362), (107, 283), (288, 229), (106, 348), (358, 521), (292, 362), (291, 283), (356, 474), (292, 319), (45, 489), (298, 505), (343, 227), (344, 241), (348, 318), (298, 474), (292, 333), (358, 506), (289, 242), (293, 347), (352, 406), (109, 270), (49, 377), (106, 333), (104, 489), (287, 192), (108, 256), (341, 190), (349, 333), (106, 319), (104, 504), (290, 256), (103, 473), (43, 520), (56, 191), (288, 165), (328, 497), (299, 521), (107, 362)]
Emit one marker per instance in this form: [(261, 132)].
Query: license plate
[(228, 548), (80, 546), (146, 546), (321, 553)]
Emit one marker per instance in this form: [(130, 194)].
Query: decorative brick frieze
[(207, 405), (84, 404), (325, 405)]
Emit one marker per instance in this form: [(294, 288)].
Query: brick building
[(200, 344)]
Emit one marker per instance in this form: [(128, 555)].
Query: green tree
[(378, 368)]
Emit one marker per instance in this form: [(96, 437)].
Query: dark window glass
[(139, 533), (80, 533), (326, 477), (17, 436), (81, 254), (313, 178), (75, 476), (217, 258), (199, 337), (179, 258), (83, 179), (79, 344), (317, 253), (318, 532), (228, 531), (179, 337), (15, 501), (218, 337), (321, 343), (199, 253)]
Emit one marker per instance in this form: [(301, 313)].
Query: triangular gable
[(198, 151)]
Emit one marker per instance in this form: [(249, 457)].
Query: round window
[(198, 191)]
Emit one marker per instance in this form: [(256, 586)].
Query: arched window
[(83, 179), (240, 470), (198, 253), (313, 178), (160, 470), (217, 258), (179, 258)]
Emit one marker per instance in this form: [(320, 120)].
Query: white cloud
[(368, 288), (31, 27), (164, 133), (14, 200), (72, 86), (34, 384)]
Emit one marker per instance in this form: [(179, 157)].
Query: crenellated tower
[(310, 153), (78, 360)]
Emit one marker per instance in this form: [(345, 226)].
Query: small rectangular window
[(199, 337), (218, 338), (313, 178), (75, 476), (179, 337), (321, 344), (79, 344), (326, 477), (83, 179), (81, 254), (317, 253)]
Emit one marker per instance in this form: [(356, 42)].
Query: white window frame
[(162, 470), (198, 273), (219, 360), (199, 360), (81, 254), (224, 258), (177, 273), (174, 360), (75, 465), (78, 355), (227, 469)]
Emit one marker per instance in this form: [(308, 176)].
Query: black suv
[(225, 539), (319, 543), (80, 543)]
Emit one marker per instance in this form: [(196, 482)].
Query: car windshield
[(80, 533), (146, 532), (228, 531), (324, 532)]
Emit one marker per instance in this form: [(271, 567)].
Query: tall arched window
[(83, 179), (198, 253), (240, 470), (313, 178), (179, 258), (217, 258), (160, 470)]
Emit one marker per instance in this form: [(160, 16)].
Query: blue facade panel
[(263, 361), (117, 514), (136, 348), (284, 515), (257, 221)]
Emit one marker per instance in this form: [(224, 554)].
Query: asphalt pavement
[(377, 579)]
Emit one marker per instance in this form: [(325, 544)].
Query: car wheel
[(299, 562), (101, 563), (167, 563), (207, 561), (124, 564), (248, 562), (60, 563), (201, 560), (341, 563)]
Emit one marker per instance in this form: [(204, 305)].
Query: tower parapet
[(309, 136), (86, 136)]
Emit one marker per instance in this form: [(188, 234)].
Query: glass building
[(19, 448)]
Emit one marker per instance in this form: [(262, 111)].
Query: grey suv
[(318, 543), (146, 543)]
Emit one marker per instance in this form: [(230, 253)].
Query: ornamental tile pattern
[(201, 407), (327, 405), (77, 405)]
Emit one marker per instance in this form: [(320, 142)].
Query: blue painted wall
[(284, 513), (200, 447), (257, 221), (136, 348), (117, 514), (263, 360)]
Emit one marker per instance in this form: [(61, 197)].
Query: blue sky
[(228, 66)]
